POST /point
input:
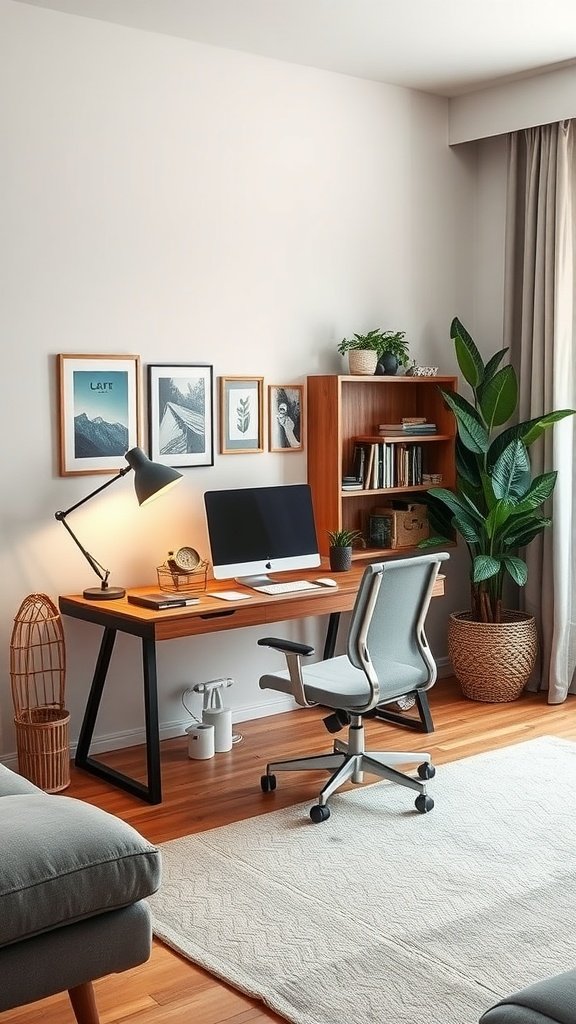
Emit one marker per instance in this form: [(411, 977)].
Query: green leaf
[(433, 542), (499, 397), (466, 527), (517, 569), (458, 505), (492, 365), (537, 427), (497, 517), (467, 465), (484, 567), (469, 359), (540, 489), (511, 475), (471, 430), (528, 432), (520, 537)]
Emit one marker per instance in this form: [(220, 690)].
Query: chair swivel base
[(349, 767)]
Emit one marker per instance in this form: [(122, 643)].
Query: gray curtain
[(539, 303)]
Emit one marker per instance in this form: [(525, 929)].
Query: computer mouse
[(325, 582)]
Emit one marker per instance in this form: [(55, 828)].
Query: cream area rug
[(382, 915)]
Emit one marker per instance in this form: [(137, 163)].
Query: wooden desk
[(211, 615)]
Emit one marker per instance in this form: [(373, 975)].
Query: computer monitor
[(256, 530)]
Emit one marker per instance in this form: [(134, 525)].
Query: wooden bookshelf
[(346, 410)]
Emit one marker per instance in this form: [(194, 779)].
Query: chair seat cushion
[(337, 684), (63, 860)]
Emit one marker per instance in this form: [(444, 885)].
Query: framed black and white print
[(99, 412), (285, 417), (241, 415), (181, 414)]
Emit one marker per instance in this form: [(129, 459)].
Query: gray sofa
[(552, 1001), (73, 882)]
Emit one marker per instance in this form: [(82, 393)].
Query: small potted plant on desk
[(340, 552), (380, 352)]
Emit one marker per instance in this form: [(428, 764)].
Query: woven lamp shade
[(38, 675)]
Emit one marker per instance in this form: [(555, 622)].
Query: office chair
[(387, 657)]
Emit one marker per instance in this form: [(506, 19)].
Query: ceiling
[(447, 47)]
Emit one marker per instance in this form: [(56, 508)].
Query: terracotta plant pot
[(492, 660), (340, 559)]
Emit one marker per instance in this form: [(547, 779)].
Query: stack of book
[(408, 426)]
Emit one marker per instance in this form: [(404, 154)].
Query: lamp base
[(97, 594)]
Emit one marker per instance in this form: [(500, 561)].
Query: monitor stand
[(254, 581)]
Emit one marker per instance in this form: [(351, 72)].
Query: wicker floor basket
[(492, 660), (37, 673)]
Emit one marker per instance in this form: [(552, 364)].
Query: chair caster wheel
[(319, 813), (426, 770), (268, 783), (423, 803)]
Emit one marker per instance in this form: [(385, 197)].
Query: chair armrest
[(286, 646)]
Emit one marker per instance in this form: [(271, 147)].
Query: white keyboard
[(290, 587)]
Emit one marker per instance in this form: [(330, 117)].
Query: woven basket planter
[(362, 361), (492, 660)]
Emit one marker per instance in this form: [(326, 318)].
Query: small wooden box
[(398, 527)]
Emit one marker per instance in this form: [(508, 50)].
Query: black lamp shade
[(150, 478)]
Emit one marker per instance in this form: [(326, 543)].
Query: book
[(159, 600)]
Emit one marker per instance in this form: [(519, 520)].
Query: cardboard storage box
[(398, 527)]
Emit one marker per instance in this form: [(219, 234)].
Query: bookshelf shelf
[(344, 411)]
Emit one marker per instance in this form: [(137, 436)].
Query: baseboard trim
[(169, 730)]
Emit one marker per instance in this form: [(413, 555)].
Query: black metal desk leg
[(152, 792), (331, 635), (152, 726), (94, 698)]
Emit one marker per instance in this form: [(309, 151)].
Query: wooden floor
[(199, 795)]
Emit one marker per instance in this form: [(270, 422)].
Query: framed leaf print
[(241, 415)]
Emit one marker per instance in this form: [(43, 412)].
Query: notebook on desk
[(158, 600)]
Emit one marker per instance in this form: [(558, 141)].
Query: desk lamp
[(150, 480)]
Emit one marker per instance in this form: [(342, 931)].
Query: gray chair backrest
[(389, 612)]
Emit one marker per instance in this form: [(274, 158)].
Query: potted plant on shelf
[(496, 507), (340, 552), (376, 352)]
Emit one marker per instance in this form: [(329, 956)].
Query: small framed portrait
[(181, 414), (241, 415), (99, 412), (285, 417)]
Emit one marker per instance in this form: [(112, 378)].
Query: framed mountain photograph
[(99, 412)]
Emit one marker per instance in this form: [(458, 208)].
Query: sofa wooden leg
[(84, 1004)]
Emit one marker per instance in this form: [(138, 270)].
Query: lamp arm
[(100, 571), (60, 516)]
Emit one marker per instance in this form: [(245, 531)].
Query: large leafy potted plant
[(375, 352), (497, 509)]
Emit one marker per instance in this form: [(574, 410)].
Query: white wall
[(188, 203)]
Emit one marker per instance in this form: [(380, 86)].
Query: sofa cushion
[(551, 1001), (63, 860), (11, 783)]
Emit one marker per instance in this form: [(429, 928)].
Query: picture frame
[(181, 414), (286, 417), (99, 411), (241, 415)]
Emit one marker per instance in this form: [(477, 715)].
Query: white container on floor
[(221, 720), (200, 741)]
